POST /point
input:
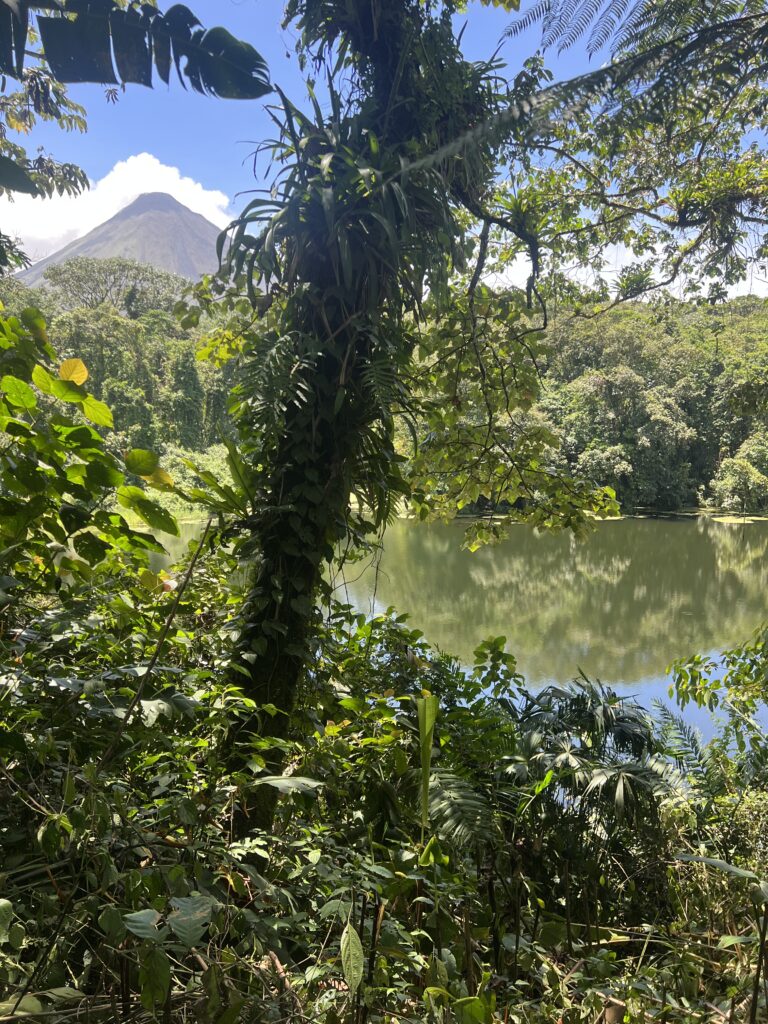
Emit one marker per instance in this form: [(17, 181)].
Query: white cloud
[(45, 225)]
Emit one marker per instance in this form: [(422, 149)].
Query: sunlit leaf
[(74, 370), (141, 462), (18, 393), (97, 412)]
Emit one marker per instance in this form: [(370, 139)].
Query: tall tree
[(131, 287), (365, 227)]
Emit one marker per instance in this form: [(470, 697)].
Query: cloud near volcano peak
[(45, 225)]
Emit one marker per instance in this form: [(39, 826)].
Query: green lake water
[(620, 605)]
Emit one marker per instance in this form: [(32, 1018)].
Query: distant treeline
[(667, 403)]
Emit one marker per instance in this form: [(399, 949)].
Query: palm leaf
[(100, 41), (460, 812), (702, 769)]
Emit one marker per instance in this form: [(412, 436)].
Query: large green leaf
[(426, 710), (719, 865), (152, 513), (81, 49), (190, 917), (141, 462), (97, 412), (143, 924), (154, 976), (18, 393), (27, 1006), (352, 958), (43, 380), (14, 177), (112, 924)]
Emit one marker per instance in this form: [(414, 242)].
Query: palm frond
[(106, 42), (629, 24), (460, 812), (701, 767)]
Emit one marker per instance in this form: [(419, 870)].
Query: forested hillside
[(665, 402), (662, 401), (117, 316)]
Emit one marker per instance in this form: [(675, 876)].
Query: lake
[(620, 605)]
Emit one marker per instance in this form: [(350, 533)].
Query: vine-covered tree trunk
[(303, 521), (352, 244)]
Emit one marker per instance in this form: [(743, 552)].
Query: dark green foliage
[(115, 314), (81, 48), (506, 854), (660, 402), (56, 474)]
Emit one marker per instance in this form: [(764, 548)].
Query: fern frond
[(701, 768)]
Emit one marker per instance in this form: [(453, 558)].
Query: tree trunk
[(304, 519)]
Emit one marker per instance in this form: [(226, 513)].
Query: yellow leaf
[(161, 479), (74, 370)]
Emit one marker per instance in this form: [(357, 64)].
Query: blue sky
[(205, 140), (211, 139)]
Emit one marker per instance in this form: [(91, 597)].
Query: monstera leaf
[(110, 44)]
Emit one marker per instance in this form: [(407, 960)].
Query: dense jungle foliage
[(117, 315), (227, 798), (446, 847), (664, 402)]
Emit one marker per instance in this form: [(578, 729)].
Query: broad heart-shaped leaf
[(97, 412), (143, 924), (42, 379), (352, 957), (90, 547), (112, 924), (15, 178), (141, 462), (68, 391), (190, 917), (18, 393), (74, 370), (6, 916), (152, 513)]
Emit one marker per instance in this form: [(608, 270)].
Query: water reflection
[(620, 605)]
